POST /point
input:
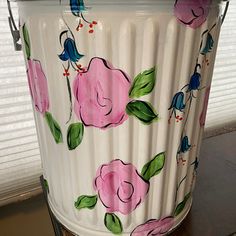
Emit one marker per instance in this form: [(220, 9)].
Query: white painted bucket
[(120, 92)]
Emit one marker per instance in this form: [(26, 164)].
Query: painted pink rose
[(38, 86), (154, 227), (101, 95), (120, 187), (192, 12), (202, 118)]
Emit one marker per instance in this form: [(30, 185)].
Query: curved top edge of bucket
[(64, 2)]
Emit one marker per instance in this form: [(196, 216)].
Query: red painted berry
[(91, 31)]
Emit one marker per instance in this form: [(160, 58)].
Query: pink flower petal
[(120, 187), (154, 227), (38, 86), (192, 13), (101, 95)]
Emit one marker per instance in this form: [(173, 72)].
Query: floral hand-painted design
[(45, 185), (192, 13), (104, 95), (77, 7), (121, 189), (195, 81), (154, 227), (70, 55), (180, 207), (101, 95), (177, 104), (38, 88), (181, 99), (182, 102), (70, 52), (185, 146), (160, 227), (207, 43)]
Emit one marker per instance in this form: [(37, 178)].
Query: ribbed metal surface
[(133, 42), (18, 132)]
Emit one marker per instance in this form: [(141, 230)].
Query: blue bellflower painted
[(208, 45), (70, 51), (195, 80), (178, 102), (194, 83), (185, 146), (77, 6)]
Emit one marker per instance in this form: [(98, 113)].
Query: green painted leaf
[(113, 223), (54, 127), (181, 205), (45, 182), (75, 134), (142, 110), (26, 41), (153, 167), (86, 202), (143, 83)]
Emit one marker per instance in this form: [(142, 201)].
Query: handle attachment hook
[(14, 30)]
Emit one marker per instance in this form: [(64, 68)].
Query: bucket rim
[(64, 2)]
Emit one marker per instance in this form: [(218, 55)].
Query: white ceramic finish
[(133, 40)]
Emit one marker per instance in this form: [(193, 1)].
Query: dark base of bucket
[(57, 226)]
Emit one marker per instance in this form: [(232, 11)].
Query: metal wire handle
[(14, 30)]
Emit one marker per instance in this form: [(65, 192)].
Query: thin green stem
[(70, 98)]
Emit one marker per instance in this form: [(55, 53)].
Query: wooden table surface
[(214, 205)]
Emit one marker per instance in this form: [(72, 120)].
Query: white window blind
[(222, 104), (20, 165)]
